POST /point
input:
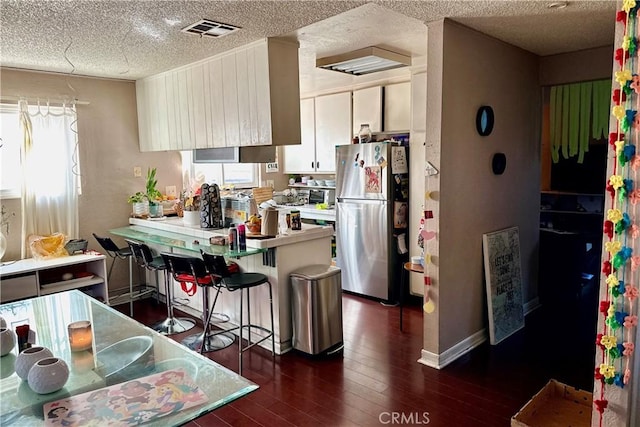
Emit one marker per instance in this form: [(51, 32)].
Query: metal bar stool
[(217, 267), (188, 269), (144, 257), (117, 253)]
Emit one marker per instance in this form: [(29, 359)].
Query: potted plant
[(153, 195), (190, 201), (147, 202), (140, 204)]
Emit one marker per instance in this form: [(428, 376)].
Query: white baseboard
[(441, 360), (531, 305)]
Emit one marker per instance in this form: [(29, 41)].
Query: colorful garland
[(618, 307)]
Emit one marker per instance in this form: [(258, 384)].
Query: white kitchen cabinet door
[(263, 82), (397, 107), (144, 119), (197, 122), (160, 136), (367, 108), (214, 105), (333, 127), (301, 158), (230, 97), (183, 123)]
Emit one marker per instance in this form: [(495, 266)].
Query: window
[(239, 175), (10, 167)]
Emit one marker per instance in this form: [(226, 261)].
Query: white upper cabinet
[(367, 108), (325, 123), (397, 107), (302, 158), (333, 127), (246, 97)]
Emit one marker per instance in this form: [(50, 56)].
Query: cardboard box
[(556, 405)]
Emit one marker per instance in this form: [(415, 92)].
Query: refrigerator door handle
[(361, 201)]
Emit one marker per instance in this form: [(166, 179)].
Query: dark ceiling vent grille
[(209, 28)]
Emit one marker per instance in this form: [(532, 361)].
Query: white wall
[(108, 148)]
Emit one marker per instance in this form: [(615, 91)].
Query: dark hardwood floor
[(377, 377)]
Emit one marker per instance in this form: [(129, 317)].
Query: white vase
[(191, 218), (7, 341), (28, 357), (141, 208), (48, 375)]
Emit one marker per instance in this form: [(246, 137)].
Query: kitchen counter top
[(276, 257), (176, 225)]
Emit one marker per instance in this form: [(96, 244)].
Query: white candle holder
[(80, 335)]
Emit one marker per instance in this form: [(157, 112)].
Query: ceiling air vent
[(209, 28)]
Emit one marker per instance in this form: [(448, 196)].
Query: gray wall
[(108, 148), (478, 70), (584, 65)]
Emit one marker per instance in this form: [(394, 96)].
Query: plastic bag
[(46, 247)]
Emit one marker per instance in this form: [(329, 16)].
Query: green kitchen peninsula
[(276, 257)]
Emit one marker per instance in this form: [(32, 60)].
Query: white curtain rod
[(43, 100)]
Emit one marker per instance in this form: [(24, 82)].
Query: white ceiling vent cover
[(210, 28)]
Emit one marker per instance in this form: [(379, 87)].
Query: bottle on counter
[(242, 238), (364, 135), (296, 222), (233, 239)]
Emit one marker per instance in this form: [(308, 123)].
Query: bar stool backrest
[(146, 253), (137, 253), (184, 265), (108, 245), (216, 265)]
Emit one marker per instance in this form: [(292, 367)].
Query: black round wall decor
[(484, 120), (499, 163)]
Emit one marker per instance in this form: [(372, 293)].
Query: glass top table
[(179, 241), (123, 352)]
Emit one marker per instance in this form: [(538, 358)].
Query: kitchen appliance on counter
[(326, 196), (210, 207), (372, 216)]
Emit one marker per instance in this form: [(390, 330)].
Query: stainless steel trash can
[(316, 299)]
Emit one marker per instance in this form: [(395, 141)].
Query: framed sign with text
[(503, 279)]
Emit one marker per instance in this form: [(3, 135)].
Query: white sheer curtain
[(49, 171)]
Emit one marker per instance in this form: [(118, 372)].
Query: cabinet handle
[(312, 163), (317, 165)]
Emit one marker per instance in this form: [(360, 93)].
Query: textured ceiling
[(133, 39)]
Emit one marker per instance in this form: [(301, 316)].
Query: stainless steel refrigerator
[(372, 215)]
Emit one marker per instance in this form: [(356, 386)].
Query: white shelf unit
[(30, 278)]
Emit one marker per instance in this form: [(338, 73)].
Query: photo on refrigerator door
[(400, 210), (372, 181)]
